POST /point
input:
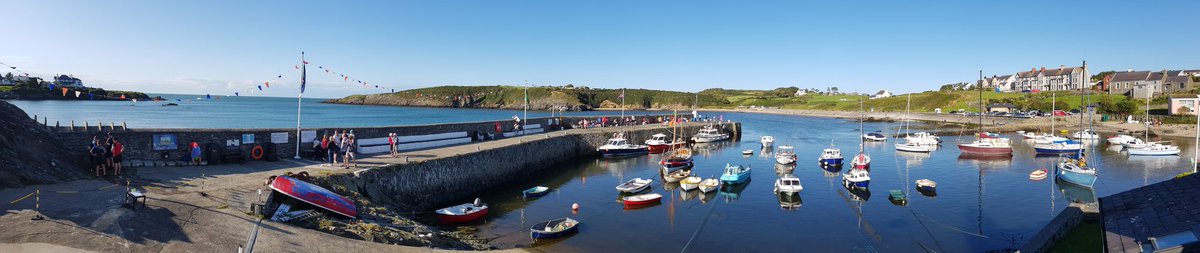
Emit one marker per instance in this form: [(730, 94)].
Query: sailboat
[(680, 157), (862, 160), (1151, 148), (912, 145), (1056, 145), (1076, 171), (859, 176), (984, 143)]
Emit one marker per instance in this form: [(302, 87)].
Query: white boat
[(923, 138), (619, 146), (1155, 149), (856, 178), (913, 147), (709, 185), (748, 152), (657, 139), (926, 185), (767, 140), (1038, 175), (1120, 139), (690, 183), (709, 134), (874, 137), (785, 155), (634, 185), (676, 176), (1086, 134), (1134, 143), (788, 184), (1048, 139)]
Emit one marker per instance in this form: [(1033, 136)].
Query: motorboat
[(861, 161), (1086, 134), (856, 178), (536, 191), (748, 152), (735, 174), (1076, 173), (923, 138), (462, 213), (1120, 139), (709, 134), (658, 144), (554, 228), (634, 185), (926, 185), (1155, 149), (710, 185), (831, 156), (998, 146), (913, 147), (875, 136), (679, 158), (767, 140), (1059, 147), (1134, 143), (1038, 175), (690, 183), (641, 200), (676, 176), (619, 146), (788, 184), (789, 201), (785, 155)]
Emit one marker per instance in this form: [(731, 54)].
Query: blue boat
[(536, 191), (831, 156), (1060, 147), (735, 174), (1071, 172), (554, 228), (856, 178)]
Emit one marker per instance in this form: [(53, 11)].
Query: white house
[(1003, 83), (800, 92), (68, 81), (881, 94)]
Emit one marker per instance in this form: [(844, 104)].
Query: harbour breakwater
[(435, 183)]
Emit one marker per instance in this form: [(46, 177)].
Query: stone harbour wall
[(431, 184)]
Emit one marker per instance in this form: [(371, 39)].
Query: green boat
[(897, 197)]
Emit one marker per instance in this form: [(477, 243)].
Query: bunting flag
[(235, 94), (77, 93), (122, 97), (268, 84), (260, 87), (303, 78), (208, 96), (64, 92), (91, 97), (622, 96)]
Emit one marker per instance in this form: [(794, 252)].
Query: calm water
[(256, 112), (981, 204)]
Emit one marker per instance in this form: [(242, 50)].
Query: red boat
[(314, 195), (861, 161), (641, 200), (462, 213), (989, 146), (658, 144), (679, 158)]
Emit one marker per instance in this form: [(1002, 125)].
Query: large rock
[(29, 153)]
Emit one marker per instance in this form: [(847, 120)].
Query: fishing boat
[(913, 147), (690, 183), (1086, 134), (676, 176), (536, 191), (785, 155), (679, 158), (658, 143), (641, 200), (926, 185), (1155, 149), (767, 140), (1059, 147), (897, 197), (709, 185), (1120, 139), (788, 184), (619, 146), (789, 201), (1072, 172), (554, 228), (856, 178), (1038, 175), (735, 174), (462, 213), (709, 134), (634, 185), (748, 152), (874, 136), (831, 156), (314, 195)]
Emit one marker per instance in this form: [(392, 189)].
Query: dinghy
[(634, 185), (554, 228), (462, 213)]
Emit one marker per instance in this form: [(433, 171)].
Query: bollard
[(85, 126), (44, 121), (57, 127), (37, 204), (35, 118), (112, 126), (72, 125), (124, 127)]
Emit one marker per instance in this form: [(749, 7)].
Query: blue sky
[(219, 47)]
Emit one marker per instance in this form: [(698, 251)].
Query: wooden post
[(124, 127)]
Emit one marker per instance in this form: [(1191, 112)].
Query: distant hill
[(540, 98)]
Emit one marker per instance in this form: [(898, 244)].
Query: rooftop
[(1130, 218)]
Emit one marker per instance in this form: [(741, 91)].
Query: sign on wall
[(279, 138), (247, 138), (164, 142)]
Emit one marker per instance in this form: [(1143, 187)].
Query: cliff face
[(29, 153)]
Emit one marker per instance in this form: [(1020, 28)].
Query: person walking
[(392, 143), (351, 147)]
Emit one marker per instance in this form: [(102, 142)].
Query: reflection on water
[(978, 198)]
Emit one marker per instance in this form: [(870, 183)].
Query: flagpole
[(298, 100), (622, 105), (526, 121)]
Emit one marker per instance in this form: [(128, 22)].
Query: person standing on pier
[(334, 147), (118, 150), (392, 144), (97, 154), (325, 147)]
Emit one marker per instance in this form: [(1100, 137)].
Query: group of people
[(340, 143), (106, 155)]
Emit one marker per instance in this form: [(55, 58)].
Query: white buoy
[(478, 202), (575, 207)]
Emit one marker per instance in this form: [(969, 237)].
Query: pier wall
[(435, 183), (139, 146)]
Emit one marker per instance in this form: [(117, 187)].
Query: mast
[(861, 141), (299, 99), (981, 107), (1053, 100), (1082, 106), (526, 113)]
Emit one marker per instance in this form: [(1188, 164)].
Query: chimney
[(1062, 66), (1043, 69)]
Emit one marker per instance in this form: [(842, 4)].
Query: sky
[(221, 47)]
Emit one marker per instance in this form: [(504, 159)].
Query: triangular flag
[(64, 92), (260, 87), (77, 93), (268, 84), (122, 97), (235, 94)]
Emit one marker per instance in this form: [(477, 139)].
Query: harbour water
[(981, 204)]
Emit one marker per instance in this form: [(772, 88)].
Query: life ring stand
[(257, 152)]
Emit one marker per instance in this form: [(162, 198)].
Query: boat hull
[(456, 219), (859, 184), (1057, 150), (735, 179), (315, 195), (533, 193), (1154, 152), (985, 150), (1081, 179), (831, 161), (622, 152)]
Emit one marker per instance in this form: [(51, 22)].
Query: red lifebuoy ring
[(257, 152)]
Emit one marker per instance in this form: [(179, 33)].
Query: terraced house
[(1140, 84), (1062, 78)]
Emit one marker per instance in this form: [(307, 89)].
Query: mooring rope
[(701, 227)]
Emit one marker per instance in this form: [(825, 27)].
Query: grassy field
[(1086, 237), (921, 102), (5, 88)]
